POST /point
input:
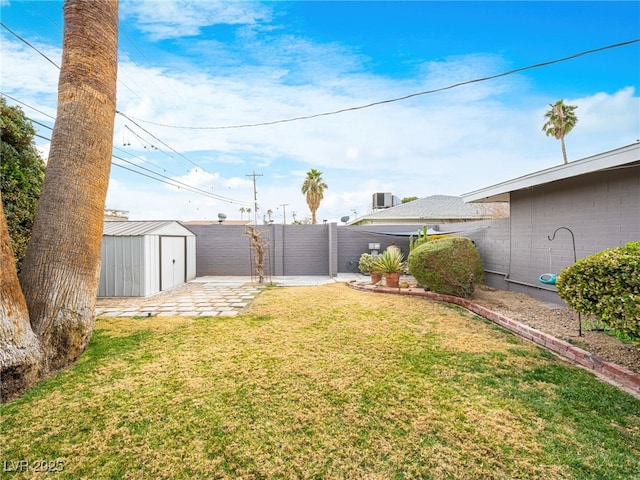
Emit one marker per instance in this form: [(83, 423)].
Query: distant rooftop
[(432, 209)]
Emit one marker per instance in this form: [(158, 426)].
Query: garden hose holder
[(550, 278)]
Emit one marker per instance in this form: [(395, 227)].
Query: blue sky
[(189, 68)]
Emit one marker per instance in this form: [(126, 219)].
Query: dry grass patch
[(323, 382)]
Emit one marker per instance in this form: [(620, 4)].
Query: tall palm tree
[(47, 317), (242, 210), (560, 120), (313, 188)]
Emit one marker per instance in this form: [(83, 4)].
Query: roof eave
[(500, 192)]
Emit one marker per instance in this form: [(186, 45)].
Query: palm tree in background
[(313, 188), (560, 120)]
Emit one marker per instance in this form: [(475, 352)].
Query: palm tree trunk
[(564, 150), (20, 354), (62, 265)]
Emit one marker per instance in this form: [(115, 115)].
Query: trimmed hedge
[(607, 285), (450, 266)]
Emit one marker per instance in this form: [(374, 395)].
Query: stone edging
[(611, 372)]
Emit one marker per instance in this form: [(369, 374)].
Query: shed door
[(173, 262)]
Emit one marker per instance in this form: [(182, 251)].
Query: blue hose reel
[(547, 278)]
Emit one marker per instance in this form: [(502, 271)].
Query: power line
[(143, 159), (45, 15), (55, 64), (120, 48), (28, 106), (169, 181), (343, 110), (27, 43), (117, 111), (220, 197), (41, 124), (348, 109), (405, 97), (144, 142), (179, 184), (156, 138), (194, 189)]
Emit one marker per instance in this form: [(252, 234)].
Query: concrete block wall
[(602, 210), (222, 250), (292, 249), (301, 249), (353, 241), (327, 249)]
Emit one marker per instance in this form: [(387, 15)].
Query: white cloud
[(32, 79), (608, 114)]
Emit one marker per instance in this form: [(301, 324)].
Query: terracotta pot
[(393, 279), (375, 277)]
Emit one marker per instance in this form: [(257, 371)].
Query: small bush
[(450, 266), (607, 285)]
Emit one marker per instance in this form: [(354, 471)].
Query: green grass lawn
[(325, 383)]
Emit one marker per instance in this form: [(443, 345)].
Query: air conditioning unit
[(381, 200), (384, 200)]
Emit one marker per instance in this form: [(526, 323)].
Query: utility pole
[(255, 195), (284, 213)]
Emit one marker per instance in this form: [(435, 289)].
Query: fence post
[(333, 249)]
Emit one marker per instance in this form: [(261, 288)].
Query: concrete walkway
[(209, 296)]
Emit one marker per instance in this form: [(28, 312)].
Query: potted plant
[(391, 264), (365, 264)]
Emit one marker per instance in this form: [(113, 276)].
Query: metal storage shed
[(140, 258)]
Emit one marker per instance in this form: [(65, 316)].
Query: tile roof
[(434, 207)]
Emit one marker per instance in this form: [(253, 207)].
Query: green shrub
[(450, 266), (607, 285)]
